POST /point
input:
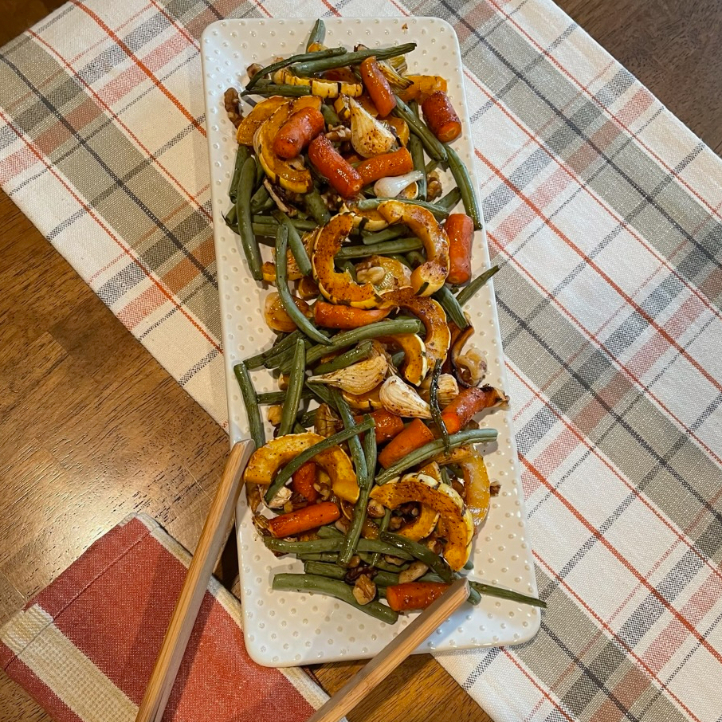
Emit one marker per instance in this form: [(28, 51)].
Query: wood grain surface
[(92, 428)]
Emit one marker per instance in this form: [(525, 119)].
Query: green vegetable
[(437, 210), (420, 552), (330, 115), (266, 90), (452, 307), (361, 352), (311, 67), (261, 200), (382, 249), (463, 181), (450, 200), (243, 211), (250, 401), (388, 234), (304, 325), (318, 34), (278, 397), (401, 259), (332, 545), (295, 387), (332, 588), (334, 571), (430, 142), (241, 156), (501, 593), (472, 436), (434, 404), (350, 269), (291, 60), (287, 472), (315, 205), (383, 526), (295, 243), (321, 392), (417, 153), (255, 362), (466, 294), (415, 258)]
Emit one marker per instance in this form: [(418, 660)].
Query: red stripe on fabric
[(622, 560), (630, 650), (106, 106), (259, 5), (565, 72), (113, 237), (114, 37), (181, 30), (594, 450)]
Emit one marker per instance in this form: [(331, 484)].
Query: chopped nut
[(279, 501), (339, 133), (416, 569), (232, 104), (433, 186), (277, 194), (373, 275), (494, 488), (396, 561), (347, 509), (253, 69), (364, 590), (458, 487), (253, 497), (342, 524), (261, 524), (326, 422), (376, 509), (354, 561), (355, 572), (396, 523), (283, 380), (274, 414)]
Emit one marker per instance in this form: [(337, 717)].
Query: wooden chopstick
[(393, 654), (213, 537)]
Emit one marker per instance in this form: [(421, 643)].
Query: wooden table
[(92, 428)]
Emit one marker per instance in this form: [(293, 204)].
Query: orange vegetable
[(413, 437), (469, 403), (330, 315), (400, 127), (460, 230), (399, 162), (297, 132), (344, 178), (344, 75), (441, 117), (302, 520), (409, 596), (388, 425), (421, 87), (302, 482), (377, 86)]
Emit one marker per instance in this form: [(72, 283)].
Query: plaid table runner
[(604, 213)]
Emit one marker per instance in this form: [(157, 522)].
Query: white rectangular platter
[(284, 629)]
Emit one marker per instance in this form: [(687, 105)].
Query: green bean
[(354, 443), (255, 424), (255, 362), (445, 478), (291, 60), (388, 234), (316, 207), (318, 34), (295, 243), (295, 386), (231, 218), (384, 566), (417, 153), (398, 358), (295, 464), (500, 593), (463, 181), (431, 166), (265, 233), (451, 305), (430, 142), (304, 325), (360, 353), (333, 571), (437, 210), (472, 436), (350, 269), (261, 200), (383, 526), (327, 557), (401, 259), (298, 428), (474, 597), (341, 341), (308, 419), (466, 293), (278, 397), (420, 552), (241, 156), (243, 211), (382, 249), (260, 173), (300, 224), (321, 392), (311, 67), (329, 532), (268, 89), (330, 115), (332, 588), (315, 546), (415, 258), (434, 404), (360, 508), (450, 200), (470, 563)]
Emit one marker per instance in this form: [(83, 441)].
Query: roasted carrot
[(399, 162), (460, 230), (387, 426), (469, 403), (302, 482), (413, 437), (409, 596), (304, 519), (329, 315), (441, 117), (344, 178), (297, 132), (377, 86)]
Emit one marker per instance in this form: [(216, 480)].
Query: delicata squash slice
[(266, 461), (415, 364), (430, 276), (338, 287), (440, 498)]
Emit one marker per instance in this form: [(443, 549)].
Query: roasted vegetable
[(397, 163), (416, 362), (414, 436), (319, 87), (441, 117), (377, 86), (369, 137), (277, 318), (387, 426), (390, 186), (253, 121), (357, 379), (469, 403), (297, 132), (304, 480), (401, 399), (338, 287), (329, 315), (389, 273), (344, 178), (301, 520), (476, 487), (430, 276), (410, 596), (421, 87), (459, 229)]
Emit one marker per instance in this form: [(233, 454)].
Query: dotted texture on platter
[(286, 629)]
